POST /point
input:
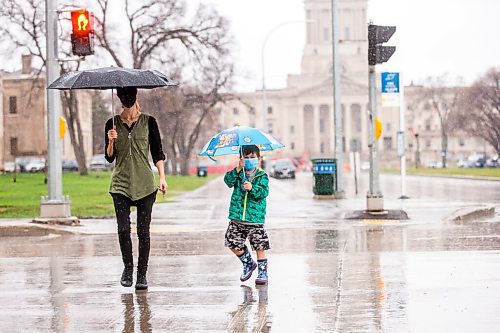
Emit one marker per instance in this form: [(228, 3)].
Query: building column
[(348, 127), (331, 131), (317, 134), (300, 144)]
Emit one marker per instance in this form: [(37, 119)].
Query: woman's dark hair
[(245, 150), (127, 95)]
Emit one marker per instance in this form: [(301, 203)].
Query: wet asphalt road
[(326, 274)]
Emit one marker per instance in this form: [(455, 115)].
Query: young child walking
[(247, 213)]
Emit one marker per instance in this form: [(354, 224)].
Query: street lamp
[(264, 94)]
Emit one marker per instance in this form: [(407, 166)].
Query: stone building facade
[(301, 115), (23, 124)]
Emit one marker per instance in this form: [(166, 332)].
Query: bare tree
[(189, 111), (155, 28), (479, 113), (100, 113), (22, 23), (444, 100), (194, 51)]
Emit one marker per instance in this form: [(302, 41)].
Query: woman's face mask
[(251, 163)]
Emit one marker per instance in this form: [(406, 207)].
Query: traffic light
[(378, 34), (82, 38)]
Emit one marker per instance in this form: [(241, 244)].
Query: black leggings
[(122, 210)]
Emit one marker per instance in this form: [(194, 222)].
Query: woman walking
[(129, 139)]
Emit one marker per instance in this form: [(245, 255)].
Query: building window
[(387, 143), (13, 146), (326, 34), (347, 33), (428, 124), (12, 104), (388, 127), (251, 111), (292, 145), (270, 128), (428, 143), (236, 111), (322, 125), (269, 110), (322, 148), (292, 129), (461, 142)]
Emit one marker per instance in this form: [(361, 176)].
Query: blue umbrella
[(229, 141)]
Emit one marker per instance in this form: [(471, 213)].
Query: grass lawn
[(88, 194), (472, 172)]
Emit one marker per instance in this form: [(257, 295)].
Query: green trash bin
[(324, 176)]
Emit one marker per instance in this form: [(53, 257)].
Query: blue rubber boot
[(262, 277), (248, 265)]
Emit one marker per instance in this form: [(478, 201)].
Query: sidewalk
[(290, 205), (326, 274)]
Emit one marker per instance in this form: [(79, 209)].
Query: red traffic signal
[(82, 21), (82, 38)]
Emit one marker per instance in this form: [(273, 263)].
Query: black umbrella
[(111, 78)]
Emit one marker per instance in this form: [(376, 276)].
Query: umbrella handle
[(113, 108)]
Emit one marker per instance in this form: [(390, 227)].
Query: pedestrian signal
[(82, 38), (378, 128)]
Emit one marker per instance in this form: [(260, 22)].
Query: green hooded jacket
[(248, 206)]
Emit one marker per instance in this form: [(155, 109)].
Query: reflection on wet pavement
[(325, 274)]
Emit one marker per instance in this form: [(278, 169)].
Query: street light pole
[(264, 42), (336, 102)]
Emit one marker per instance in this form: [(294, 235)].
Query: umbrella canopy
[(111, 78), (229, 141)]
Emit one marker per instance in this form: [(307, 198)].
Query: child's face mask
[(251, 163)]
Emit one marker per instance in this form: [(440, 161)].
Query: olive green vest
[(132, 175)]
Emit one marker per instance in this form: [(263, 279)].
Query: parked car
[(21, 163), (492, 162), (10, 167), (35, 165), (99, 163), (283, 168), (69, 165)]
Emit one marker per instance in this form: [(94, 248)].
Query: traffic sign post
[(390, 89), (377, 54)]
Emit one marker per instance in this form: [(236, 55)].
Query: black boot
[(126, 279), (142, 282)]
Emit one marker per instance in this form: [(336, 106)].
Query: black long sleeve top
[(154, 140)]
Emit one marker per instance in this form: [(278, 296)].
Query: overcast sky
[(460, 37)]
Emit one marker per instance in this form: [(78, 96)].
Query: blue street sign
[(324, 168), (390, 82)]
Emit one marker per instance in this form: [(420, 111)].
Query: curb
[(466, 215)]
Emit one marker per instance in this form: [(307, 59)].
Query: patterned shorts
[(237, 233)]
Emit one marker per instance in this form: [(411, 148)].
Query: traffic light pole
[(54, 205), (374, 199)]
